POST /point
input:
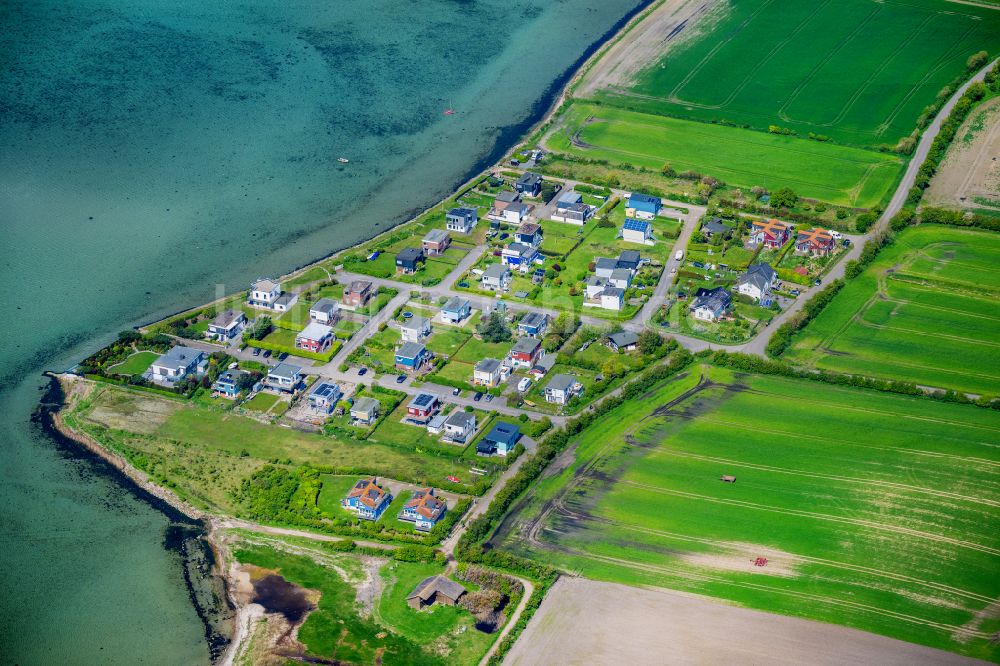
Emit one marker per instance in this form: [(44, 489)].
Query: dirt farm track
[(595, 623)]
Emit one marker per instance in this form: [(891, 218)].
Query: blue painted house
[(411, 356), (533, 324), (500, 440), (456, 309), (643, 206), (227, 384), (423, 509), (367, 499)]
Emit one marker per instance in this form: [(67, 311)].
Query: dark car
[(477, 397), (818, 282), (362, 370), (400, 379), (847, 242), (796, 292), (256, 351), (489, 397), (282, 356), (456, 391), (267, 353), (504, 236)]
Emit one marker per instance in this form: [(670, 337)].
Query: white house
[(756, 282), (415, 329), (461, 220), (227, 325), (637, 231), (263, 293), (602, 294), (325, 311), (496, 277), (284, 302), (711, 304), (324, 397), (284, 377), (487, 372), (562, 388), (176, 364), (621, 278), (459, 426)]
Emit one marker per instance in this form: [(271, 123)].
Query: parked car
[(267, 353), (362, 370), (504, 236), (256, 351), (477, 397), (282, 356), (796, 292), (400, 379), (456, 391), (524, 385), (489, 397), (847, 242), (818, 282)]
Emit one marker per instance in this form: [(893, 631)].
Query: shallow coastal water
[(154, 154)]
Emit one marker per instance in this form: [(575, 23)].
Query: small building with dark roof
[(435, 589), (500, 440), (529, 183), (409, 259)]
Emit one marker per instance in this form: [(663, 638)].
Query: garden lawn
[(262, 402), (136, 364), (869, 509), (927, 310), (837, 174)]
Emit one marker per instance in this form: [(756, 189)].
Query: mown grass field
[(926, 311), (837, 174), (873, 510), (860, 72)]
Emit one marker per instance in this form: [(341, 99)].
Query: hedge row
[(755, 364), (782, 337)]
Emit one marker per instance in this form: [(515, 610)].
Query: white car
[(836, 234), (523, 385)]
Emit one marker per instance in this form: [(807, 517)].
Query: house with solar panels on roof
[(643, 206), (500, 440), (637, 231), (367, 499), (324, 397)]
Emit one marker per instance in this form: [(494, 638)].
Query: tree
[(260, 328), (494, 329), (649, 342), (784, 198), (668, 171), (976, 60)]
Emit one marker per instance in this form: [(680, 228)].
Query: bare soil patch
[(971, 169), (130, 411), (660, 626), (667, 24)]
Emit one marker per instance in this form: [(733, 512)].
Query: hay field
[(872, 510), (927, 310), (840, 175)]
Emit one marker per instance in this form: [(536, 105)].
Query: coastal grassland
[(346, 631), (840, 175), (203, 453), (872, 510), (858, 72), (927, 310)]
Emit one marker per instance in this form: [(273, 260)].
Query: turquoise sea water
[(155, 154)]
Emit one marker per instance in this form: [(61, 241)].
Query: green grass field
[(871, 509), (860, 72), (135, 364), (837, 174), (926, 311)]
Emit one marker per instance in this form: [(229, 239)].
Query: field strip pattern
[(962, 543), (830, 477)]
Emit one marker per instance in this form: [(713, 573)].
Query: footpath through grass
[(869, 509), (927, 310)]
